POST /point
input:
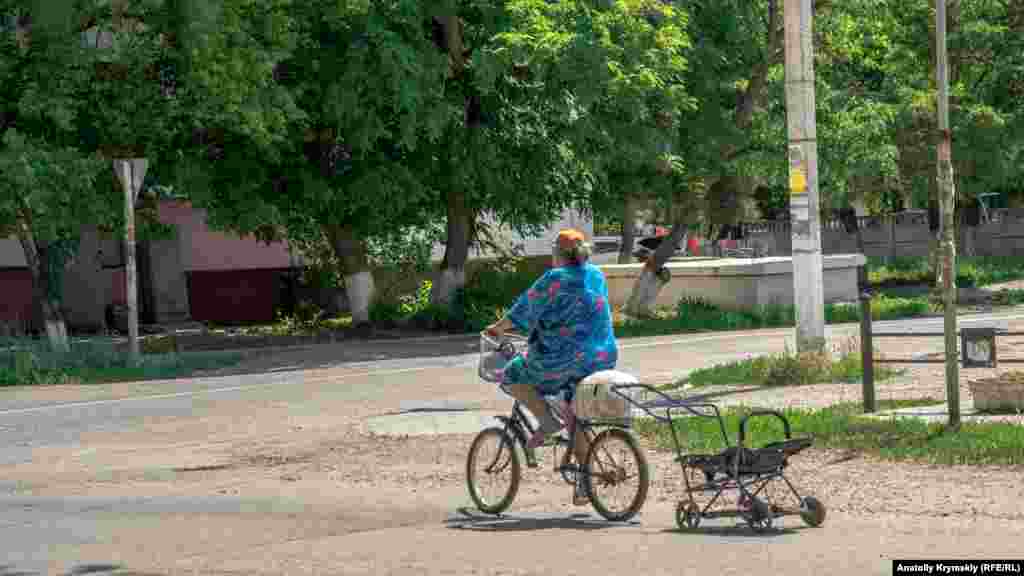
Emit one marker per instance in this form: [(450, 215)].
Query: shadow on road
[(351, 353), (504, 523), (8, 570), (82, 570), (734, 530)]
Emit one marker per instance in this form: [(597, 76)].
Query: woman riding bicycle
[(568, 319)]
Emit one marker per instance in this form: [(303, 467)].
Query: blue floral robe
[(569, 322)]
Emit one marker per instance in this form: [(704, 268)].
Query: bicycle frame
[(518, 427)]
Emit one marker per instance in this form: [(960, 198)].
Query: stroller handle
[(758, 413)]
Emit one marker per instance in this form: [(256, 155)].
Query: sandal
[(580, 494)]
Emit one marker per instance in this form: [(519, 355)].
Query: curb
[(371, 341), (1010, 314)]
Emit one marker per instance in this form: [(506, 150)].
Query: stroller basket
[(769, 459)]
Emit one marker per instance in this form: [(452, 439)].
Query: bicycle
[(600, 471)]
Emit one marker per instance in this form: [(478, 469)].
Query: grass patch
[(844, 427), (882, 308), (971, 272), (695, 315), (1013, 297), (788, 369), (32, 362)]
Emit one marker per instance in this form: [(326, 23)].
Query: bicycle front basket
[(493, 358)]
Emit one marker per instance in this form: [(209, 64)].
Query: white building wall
[(11, 254)]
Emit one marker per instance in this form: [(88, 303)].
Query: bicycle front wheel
[(617, 475), (492, 471)]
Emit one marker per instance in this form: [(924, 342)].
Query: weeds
[(842, 364), (25, 361)]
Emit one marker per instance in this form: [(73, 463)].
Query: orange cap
[(569, 239)]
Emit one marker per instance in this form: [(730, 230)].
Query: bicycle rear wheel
[(493, 473), (617, 475)]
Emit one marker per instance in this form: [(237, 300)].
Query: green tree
[(66, 108), (878, 110), (504, 153), (616, 72), (315, 133)]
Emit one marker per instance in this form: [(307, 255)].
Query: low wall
[(737, 283), (903, 235)]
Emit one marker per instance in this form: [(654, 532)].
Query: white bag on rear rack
[(594, 399)]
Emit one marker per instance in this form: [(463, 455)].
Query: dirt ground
[(337, 450)]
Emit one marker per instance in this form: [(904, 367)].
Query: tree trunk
[(359, 287), (460, 216), (654, 276), (51, 315), (628, 218), (452, 274)]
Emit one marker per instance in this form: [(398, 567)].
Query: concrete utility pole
[(808, 290), (947, 204), (131, 174)]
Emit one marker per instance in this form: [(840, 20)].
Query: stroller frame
[(739, 467)]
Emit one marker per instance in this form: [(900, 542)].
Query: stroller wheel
[(687, 515), (812, 511), (760, 517)]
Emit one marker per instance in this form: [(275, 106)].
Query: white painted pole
[(131, 174), (808, 289)]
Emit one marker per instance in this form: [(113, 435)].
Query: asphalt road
[(55, 527)]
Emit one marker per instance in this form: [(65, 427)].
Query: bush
[(491, 287), (882, 308), (308, 317), (971, 272), (696, 315)]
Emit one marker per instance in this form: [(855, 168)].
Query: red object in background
[(693, 245), (119, 287), (732, 244), (233, 296), (660, 231), (16, 306)]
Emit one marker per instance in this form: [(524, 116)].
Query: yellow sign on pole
[(797, 182)]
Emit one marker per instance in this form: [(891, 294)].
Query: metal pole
[(947, 196), (808, 291), (867, 347)]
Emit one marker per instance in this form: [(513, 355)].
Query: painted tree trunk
[(628, 214), (653, 278), (359, 286), (51, 315), (452, 274)]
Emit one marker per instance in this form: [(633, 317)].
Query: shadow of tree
[(353, 354), (93, 569), (8, 570), (80, 570)]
